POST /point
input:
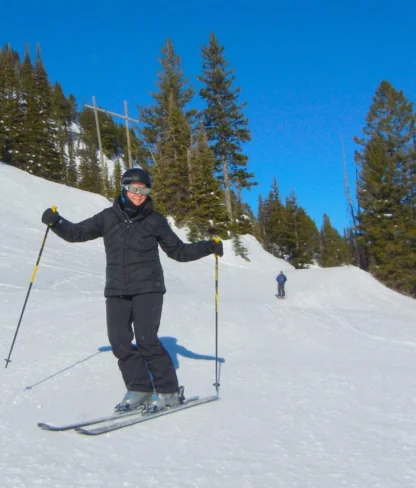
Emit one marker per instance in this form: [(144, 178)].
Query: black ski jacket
[(131, 247)]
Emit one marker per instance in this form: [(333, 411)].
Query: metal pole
[(8, 360), (216, 384), (128, 134)]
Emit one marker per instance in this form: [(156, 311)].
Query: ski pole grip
[(54, 209), (216, 239)]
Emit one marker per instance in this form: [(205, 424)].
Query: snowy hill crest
[(316, 391)]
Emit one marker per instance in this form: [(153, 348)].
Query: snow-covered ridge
[(317, 390)]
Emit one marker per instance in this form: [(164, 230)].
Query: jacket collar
[(144, 212)]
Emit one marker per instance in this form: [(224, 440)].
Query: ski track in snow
[(317, 391)]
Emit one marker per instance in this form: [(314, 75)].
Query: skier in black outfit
[(135, 286)]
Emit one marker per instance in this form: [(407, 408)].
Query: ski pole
[(8, 360), (216, 384)]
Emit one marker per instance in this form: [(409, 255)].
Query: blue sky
[(308, 71)]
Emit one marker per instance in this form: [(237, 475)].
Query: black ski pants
[(281, 290), (139, 316)]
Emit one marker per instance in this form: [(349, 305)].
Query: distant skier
[(135, 286), (281, 280)]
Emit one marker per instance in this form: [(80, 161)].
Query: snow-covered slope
[(316, 391)]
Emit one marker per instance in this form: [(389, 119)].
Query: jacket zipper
[(127, 222)]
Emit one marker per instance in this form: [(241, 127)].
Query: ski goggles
[(138, 190)]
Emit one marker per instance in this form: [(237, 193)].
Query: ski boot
[(160, 401), (134, 400)]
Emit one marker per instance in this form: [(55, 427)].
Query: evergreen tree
[(90, 171), (245, 218), (11, 113), (172, 179), (239, 248), (71, 175), (243, 215), (385, 190), (351, 252), (41, 156), (274, 223), (167, 134), (90, 174), (206, 208), (299, 234), (109, 135), (173, 90), (63, 121), (29, 107), (226, 126), (47, 163), (333, 249), (116, 183), (260, 225), (107, 190)]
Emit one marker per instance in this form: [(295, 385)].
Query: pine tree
[(333, 251), (29, 107), (71, 175), (107, 189), (299, 235), (48, 162), (42, 154), (109, 135), (206, 208), (35, 126), (167, 132), (260, 226), (63, 121), (239, 248), (274, 223), (173, 90), (116, 182), (245, 219), (351, 254), (172, 179), (11, 113), (385, 192), (90, 171), (243, 215), (226, 126)]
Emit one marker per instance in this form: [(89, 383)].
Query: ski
[(83, 423), (192, 402)]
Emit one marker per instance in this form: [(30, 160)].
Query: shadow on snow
[(170, 344)]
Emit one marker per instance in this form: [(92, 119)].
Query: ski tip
[(44, 426)]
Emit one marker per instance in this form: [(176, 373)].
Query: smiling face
[(136, 198)]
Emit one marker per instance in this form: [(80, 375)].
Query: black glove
[(217, 248), (50, 218)]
